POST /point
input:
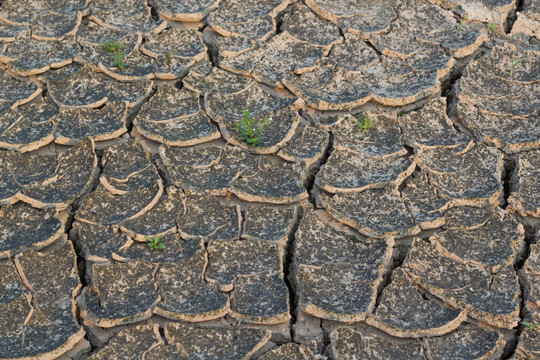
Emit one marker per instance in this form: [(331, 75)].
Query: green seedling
[(364, 122), (169, 60), (515, 63), (492, 26), (113, 46), (119, 61), (529, 325), (154, 243), (249, 129)]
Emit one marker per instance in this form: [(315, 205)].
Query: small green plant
[(169, 59), (249, 129), (364, 122), (529, 325), (515, 63), (154, 243), (492, 26), (116, 47)]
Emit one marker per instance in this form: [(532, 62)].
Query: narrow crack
[(509, 169), (512, 17)]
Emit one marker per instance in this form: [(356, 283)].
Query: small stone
[(206, 217), (337, 275), (374, 212), (135, 341), (525, 197), (228, 260), (24, 227), (184, 293), (348, 344), (217, 343), (468, 342), (269, 223), (275, 182), (403, 311), (119, 294)]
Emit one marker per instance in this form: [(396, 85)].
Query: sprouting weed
[(154, 243), (529, 325), (169, 59), (113, 46), (249, 129), (364, 122), (492, 26), (515, 63)]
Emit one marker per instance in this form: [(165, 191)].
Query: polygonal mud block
[(160, 219), (430, 126), (527, 21), (119, 294), (185, 10), (304, 25), (166, 352), (496, 244), (105, 123), (27, 56), (289, 351), (229, 260), (403, 311), (226, 343), (184, 293), (531, 273), (132, 342), (55, 26), (485, 11), (52, 328), (260, 299), (466, 217), (274, 182), (173, 117), (275, 59), (28, 127), (177, 43), (468, 342), (279, 112), (528, 346), (269, 223), (308, 147), (137, 67), (423, 202), (105, 208), (94, 38), (17, 92), (24, 227), (9, 32), (132, 92), (134, 16), (353, 54), (15, 306), (346, 171), (172, 253), (210, 169), (72, 176), (374, 212), (348, 344), (217, 80), (337, 275), (82, 89), (381, 140), (206, 217), (229, 46), (492, 298), (525, 197), (98, 242), (468, 177)]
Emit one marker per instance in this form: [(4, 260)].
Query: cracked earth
[(414, 239)]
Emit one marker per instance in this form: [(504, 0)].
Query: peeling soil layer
[(386, 204)]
